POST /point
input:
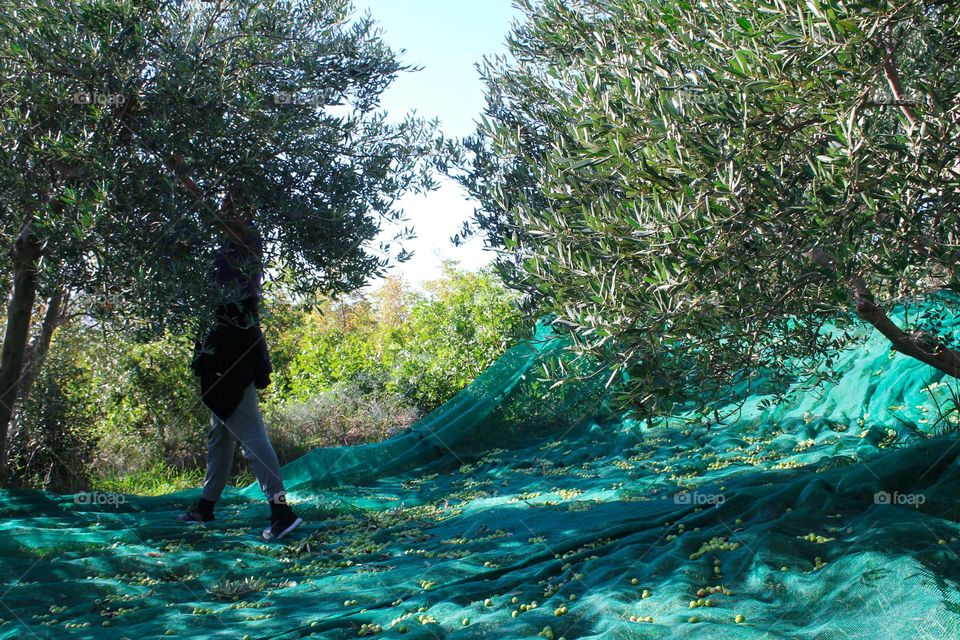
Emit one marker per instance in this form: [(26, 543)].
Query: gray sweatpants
[(245, 425)]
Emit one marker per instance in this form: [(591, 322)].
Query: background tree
[(275, 100), (704, 185)]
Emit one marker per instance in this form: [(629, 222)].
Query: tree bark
[(37, 350), (893, 79), (25, 252)]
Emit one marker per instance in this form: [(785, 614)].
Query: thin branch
[(893, 79)]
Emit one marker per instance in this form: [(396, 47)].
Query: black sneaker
[(201, 511), (282, 522)]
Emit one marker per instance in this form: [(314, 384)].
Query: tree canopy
[(131, 128), (704, 184), (275, 100)]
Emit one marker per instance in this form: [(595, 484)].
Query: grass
[(159, 480)]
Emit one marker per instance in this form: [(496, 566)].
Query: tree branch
[(919, 345), (893, 79), (179, 169)]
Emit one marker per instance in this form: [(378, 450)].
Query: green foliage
[(123, 412), (338, 346), (156, 480), (465, 322), (152, 398), (274, 100), (423, 347), (660, 170), (343, 415), (53, 439)]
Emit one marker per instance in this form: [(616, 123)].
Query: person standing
[(232, 362)]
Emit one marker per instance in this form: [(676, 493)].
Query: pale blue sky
[(446, 38)]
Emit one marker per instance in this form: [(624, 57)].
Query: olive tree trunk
[(25, 252), (37, 350)]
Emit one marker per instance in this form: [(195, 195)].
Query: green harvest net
[(509, 514)]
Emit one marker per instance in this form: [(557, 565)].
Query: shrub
[(464, 323), (423, 346), (342, 415), (53, 439), (152, 410)]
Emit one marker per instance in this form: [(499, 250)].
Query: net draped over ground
[(508, 513)]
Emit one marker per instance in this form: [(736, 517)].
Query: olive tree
[(695, 188), (110, 106)]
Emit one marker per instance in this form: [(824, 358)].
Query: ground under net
[(510, 514)]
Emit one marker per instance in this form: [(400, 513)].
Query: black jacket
[(234, 353)]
